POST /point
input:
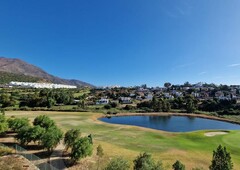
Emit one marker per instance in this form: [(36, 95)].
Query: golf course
[(194, 149)]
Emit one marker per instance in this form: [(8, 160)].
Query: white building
[(41, 85), (102, 101), (125, 100)]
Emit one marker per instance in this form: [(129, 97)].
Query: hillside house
[(102, 101), (125, 100), (149, 96)]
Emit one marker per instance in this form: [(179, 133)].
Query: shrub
[(145, 162), (118, 163), (5, 150), (129, 107), (107, 106), (113, 104), (178, 166)]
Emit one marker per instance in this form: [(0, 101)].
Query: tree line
[(45, 133)]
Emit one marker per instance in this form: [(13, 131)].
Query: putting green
[(194, 149)]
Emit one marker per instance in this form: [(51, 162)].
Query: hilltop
[(12, 69)]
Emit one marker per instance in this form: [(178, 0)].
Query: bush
[(129, 107), (5, 150), (113, 104), (118, 163), (178, 166), (107, 106), (145, 162)]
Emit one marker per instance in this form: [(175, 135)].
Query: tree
[(36, 133), (166, 106), (70, 137), (43, 121), (51, 138), (190, 104), (113, 104), (167, 84), (99, 154), (17, 123), (190, 107), (6, 100), (3, 112), (81, 149), (156, 104), (50, 102), (118, 163), (3, 124), (145, 162), (178, 166), (221, 159), (81, 104), (24, 135)]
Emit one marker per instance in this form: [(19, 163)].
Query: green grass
[(192, 148)]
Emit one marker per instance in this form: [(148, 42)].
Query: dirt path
[(56, 159)]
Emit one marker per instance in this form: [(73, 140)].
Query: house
[(149, 96), (197, 95), (102, 101), (139, 98), (168, 96), (125, 100), (219, 94), (177, 93)]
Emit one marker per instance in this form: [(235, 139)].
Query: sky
[(126, 42)]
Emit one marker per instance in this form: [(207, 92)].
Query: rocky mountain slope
[(19, 67)]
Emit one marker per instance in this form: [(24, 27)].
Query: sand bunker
[(210, 134)]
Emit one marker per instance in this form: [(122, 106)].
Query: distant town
[(202, 91), (40, 85)]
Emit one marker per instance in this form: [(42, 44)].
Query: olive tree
[(16, 124), (51, 138), (70, 137), (3, 124), (81, 149), (43, 121), (24, 135)]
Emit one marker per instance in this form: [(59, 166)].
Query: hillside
[(8, 77), (25, 71)]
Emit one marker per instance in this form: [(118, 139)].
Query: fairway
[(194, 149)]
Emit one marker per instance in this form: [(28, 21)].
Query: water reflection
[(172, 123)]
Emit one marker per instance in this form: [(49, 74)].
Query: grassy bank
[(193, 148)]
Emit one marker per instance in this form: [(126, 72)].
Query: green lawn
[(193, 149)]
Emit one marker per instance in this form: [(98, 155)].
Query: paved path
[(56, 159)]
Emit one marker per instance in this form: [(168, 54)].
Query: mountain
[(18, 67)]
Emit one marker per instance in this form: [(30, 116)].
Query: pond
[(172, 123)]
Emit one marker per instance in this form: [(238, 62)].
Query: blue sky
[(126, 42)]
